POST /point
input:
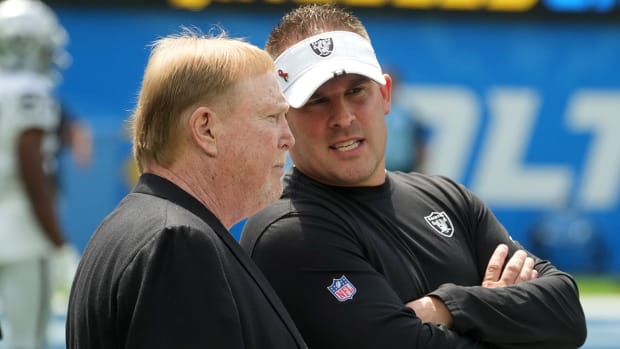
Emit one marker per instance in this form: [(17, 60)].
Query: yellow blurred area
[(511, 5), (496, 5), (193, 5), (458, 5)]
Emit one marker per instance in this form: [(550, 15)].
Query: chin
[(269, 194)]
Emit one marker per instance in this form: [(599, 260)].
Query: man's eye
[(315, 101), (355, 90)]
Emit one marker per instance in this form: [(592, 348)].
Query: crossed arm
[(519, 268)]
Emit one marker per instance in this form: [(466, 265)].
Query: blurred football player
[(31, 52)]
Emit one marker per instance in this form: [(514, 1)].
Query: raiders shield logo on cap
[(323, 47)]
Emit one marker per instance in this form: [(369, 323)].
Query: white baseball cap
[(308, 64)]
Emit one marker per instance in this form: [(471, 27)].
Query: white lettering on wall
[(501, 174), (599, 113), (453, 114)]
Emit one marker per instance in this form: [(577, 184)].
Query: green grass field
[(598, 284)]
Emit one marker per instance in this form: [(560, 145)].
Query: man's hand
[(519, 268), (431, 309)]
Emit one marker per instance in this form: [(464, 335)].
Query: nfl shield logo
[(441, 223), (342, 289)]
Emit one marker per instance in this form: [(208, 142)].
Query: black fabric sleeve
[(542, 313), (302, 257), (183, 298)]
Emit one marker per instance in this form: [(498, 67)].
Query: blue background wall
[(524, 112)]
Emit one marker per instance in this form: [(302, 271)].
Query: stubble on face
[(351, 155), (256, 137)]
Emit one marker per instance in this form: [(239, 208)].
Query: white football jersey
[(26, 101)]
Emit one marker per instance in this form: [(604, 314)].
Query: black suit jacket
[(161, 271)]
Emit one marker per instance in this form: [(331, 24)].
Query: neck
[(199, 183)]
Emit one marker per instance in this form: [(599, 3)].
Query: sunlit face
[(341, 132), (255, 142)]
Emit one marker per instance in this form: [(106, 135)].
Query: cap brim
[(301, 90)]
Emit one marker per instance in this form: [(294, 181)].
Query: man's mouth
[(347, 146)]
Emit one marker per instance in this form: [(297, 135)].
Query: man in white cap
[(367, 258)]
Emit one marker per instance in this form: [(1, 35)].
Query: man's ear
[(386, 92), (202, 125)]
